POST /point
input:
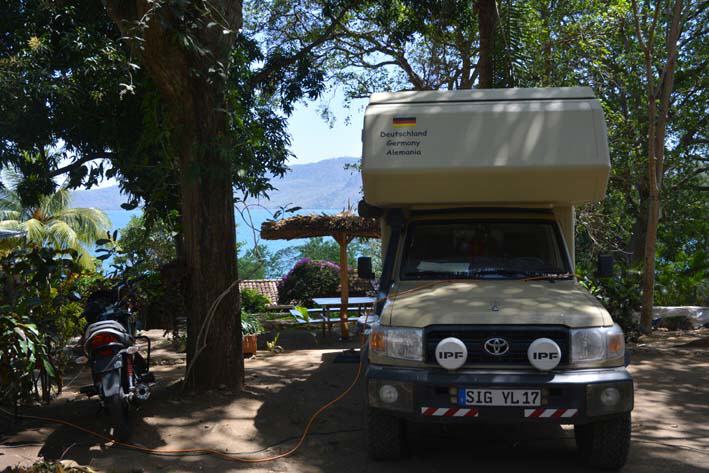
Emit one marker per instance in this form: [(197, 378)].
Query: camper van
[(480, 316)]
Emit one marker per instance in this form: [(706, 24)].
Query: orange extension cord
[(209, 451)]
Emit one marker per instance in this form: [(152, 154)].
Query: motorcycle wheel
[(120, 419)]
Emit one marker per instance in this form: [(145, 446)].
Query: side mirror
[(605, 266), (368, 211), (364, 267)]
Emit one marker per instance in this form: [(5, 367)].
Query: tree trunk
[(343, 241), (658, 103), (210, 248), (487, 18), (638, 236), (196, 100), (653, 216)]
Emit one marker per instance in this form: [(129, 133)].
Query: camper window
[(482, 250)]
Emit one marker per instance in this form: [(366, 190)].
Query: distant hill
[(322, 185)]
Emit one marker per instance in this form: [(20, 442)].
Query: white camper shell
[(485, 147)]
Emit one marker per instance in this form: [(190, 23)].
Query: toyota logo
[(496, 346)]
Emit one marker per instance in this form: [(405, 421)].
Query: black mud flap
[(111, 383)]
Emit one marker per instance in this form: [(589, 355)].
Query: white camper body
[(521, 146)]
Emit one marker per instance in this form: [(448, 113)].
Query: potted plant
[(250, 328)]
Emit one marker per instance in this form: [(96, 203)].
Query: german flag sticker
[(400, 122)]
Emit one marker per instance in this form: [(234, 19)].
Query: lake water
[(244, 232)]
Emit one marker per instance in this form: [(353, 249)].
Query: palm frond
[(55, 203), (62, 235), (84, 258), (10, 224), (10, 201), (36, 231), (10, 215), (90, 224), (53, 222)]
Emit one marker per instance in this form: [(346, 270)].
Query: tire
[(605, 444), (120, 419), (386, 436)]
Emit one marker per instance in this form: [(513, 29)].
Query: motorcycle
[(121, 376)]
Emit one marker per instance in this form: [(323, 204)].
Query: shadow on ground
[(670, 425)]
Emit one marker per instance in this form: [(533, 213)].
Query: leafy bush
[(146, 250), (620, 295), (250, 325), (684, 281), (253, 301), (38, 319), (309, 279), (49, 467), (23, 350)]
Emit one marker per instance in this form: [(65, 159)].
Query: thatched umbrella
[(343, 227)]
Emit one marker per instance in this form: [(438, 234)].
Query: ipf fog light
[(388, 394)]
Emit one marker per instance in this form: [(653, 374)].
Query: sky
[(312, 138)]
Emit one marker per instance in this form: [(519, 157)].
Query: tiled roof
[(267, 287)]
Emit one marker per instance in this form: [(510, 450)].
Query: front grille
[(518, 336)]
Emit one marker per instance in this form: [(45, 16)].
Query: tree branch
[(281, 62), (78, 163)]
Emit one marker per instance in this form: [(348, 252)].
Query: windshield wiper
[(436, 275), (497, 271), (548, 276)]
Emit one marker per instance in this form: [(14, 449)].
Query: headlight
[(602, 346), (396, 342)]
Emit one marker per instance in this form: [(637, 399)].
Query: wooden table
[(330, 303)]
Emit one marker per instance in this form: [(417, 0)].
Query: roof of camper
[(482, 95)]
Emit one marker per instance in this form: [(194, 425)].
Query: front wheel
[(120, 420), (605, 444), (386, 436)]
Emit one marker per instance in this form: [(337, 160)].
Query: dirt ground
[(670, 420)]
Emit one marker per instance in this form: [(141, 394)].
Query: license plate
[(499, 397)]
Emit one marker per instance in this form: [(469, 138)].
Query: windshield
[(478, 249)]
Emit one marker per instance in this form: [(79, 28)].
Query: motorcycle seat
[(107, 326)]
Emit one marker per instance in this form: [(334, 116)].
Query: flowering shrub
[(308, 279)]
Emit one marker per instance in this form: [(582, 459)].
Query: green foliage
[(61, 64), (253, 302), (22, 351), (273, 346), (684, 281), (258, 263), (304, 314), (146, 251), (146, 245), (321, 249), (250, 325), (54, 223), (620, 294), (308, 279), (48, 467), (38, 319)]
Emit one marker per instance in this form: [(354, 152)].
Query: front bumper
[(568, 397)]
